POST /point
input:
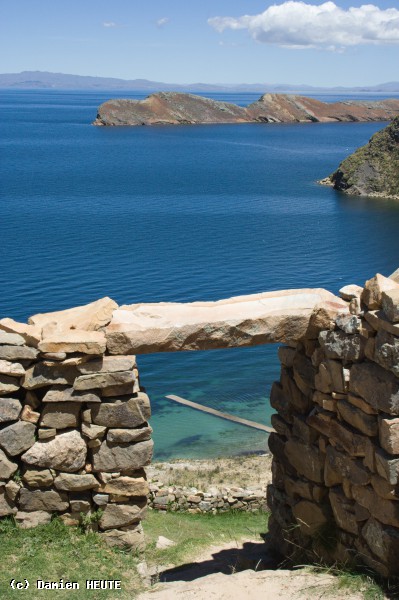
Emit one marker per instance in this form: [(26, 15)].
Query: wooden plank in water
[(221, 415)]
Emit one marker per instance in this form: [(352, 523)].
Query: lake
[(204, 212)]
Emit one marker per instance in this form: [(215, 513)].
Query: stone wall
[(335, 492), (74, 436)]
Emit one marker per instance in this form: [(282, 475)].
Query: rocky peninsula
[(373, 169), (172, 108)]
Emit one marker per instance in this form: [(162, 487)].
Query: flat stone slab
[(269, 317), (89, 317)]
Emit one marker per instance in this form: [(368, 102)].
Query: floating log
[(221, 415)]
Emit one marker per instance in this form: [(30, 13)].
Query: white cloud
[(109, 24), (296, 24), (162, 22)]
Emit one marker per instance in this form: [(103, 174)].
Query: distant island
[(174, 108), (373, 169), (63, 81)]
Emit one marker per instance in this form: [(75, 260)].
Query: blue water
[(180, 214)]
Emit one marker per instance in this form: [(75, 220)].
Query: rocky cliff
[(172, 108), (373, 170)]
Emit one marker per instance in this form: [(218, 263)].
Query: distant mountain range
[(63, 81)]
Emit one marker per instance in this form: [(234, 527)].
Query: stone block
[(38, 478), (13, 369), (103, 380), (373, 288), (302, 431), (29, 415), (376, 385), (60, 415), (72, 482), (339, 345), (41, 375), (324, 315), (16, 353), (133, 539), (299, 401), (338, 376), (353, 443), (7, 467), (108, 364), (326, 401), (323, 381), (390, 304), (122, 515), (389, 435), (8, 385), (384, 489), (90, 317), (93, 432), (30, 334), (280, 425), (123, 389), (7, 507), (46, 434), (119, 457), (66, 452), (385, 511), (129, 413), (9, 409), (304, 372), (386, 351), (298, 487), (125, 436), (344, 511), (348, 323), (307, 460), (350, 291), (383, 541), (362, 404), (353, 415), (68, 394), (28, 520), (17, 438), (74, 340), (347, 467), (387, 467), (310, 517), (42, 500), (280, 402), (286, 355), (126, 486)]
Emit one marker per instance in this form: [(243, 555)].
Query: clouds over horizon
[(296, 24)]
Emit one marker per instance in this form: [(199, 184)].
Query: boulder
[(386, 351), (133, 539), (121, 457), (66, 452), (7, 508), (348, 292), (90, 317), (17, 438), (337, 344), (376, 386), (390, 304), (122, 413), (344, 511), (74, 340), (310, 517), (10, 409)]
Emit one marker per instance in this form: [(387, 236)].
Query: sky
[(345, 42)]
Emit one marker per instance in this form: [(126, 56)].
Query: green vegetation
[(374, 168), (53, 552)]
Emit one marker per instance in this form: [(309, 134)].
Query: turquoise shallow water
[(180, 213)]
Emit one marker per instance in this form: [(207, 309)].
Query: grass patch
[(53, 552)]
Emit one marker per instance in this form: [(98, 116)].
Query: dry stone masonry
[(74, 433), (335, 492), (75, 438)]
